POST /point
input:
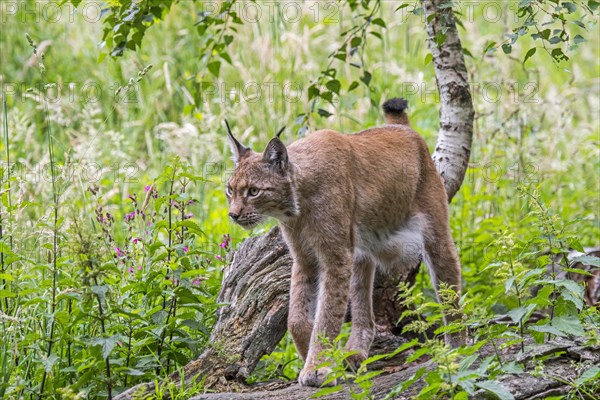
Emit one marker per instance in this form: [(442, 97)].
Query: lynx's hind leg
[(361, 303), (444, 266)]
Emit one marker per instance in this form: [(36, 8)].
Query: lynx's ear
[(276, 154), (238, 149)]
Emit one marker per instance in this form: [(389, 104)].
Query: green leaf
[(313, 91), (366, 78), (575, 298), (327, 391), (439, 39), (507, 48), (489, 48), (132, 372), (353, 86), (6, 277), (417, 354), (214, 67), (571, 325), (324, 113), (334, 85), (355, 42), (508, 285), (589, 375), (49, 362), (547, 328), (521, 313), (468, 361), (587, 260), (376, 34), (192, 226), (578, 271), (107, 344), (6, 293), (428, 59), (529, 54), (226, 57), (513, 368), (340, 56), (379, 21), (99, 290), (593, 5), (571, 7), (367, 376), (558, 55), (555, 40), (327, 96), (496, 388)]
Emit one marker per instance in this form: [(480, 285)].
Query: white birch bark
[(453, 146)]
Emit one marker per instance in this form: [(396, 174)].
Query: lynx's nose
[(234, 216)]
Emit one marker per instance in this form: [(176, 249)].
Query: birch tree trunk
[(256, 288), (453, 146)]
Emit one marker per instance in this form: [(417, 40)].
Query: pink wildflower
[(130, 216), (185, 249), (119, 251), (225, 242)]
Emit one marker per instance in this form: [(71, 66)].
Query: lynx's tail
[(395, 111)]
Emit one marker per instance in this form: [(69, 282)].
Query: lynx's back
[(347, 205), (381, 170)]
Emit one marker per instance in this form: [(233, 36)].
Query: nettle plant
[(126, 298), (161, 316)]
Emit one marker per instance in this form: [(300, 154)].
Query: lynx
[(346, 205)]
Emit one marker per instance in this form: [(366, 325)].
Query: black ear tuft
[(238, 149), (276, 154)]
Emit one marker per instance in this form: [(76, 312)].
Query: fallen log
[(564, 361)]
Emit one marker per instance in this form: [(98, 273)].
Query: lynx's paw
[(310, 376), (355, 360)]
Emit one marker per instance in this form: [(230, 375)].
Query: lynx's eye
[(228, 191), (253, 192)]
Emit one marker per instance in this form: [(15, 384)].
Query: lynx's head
[(261, 185)]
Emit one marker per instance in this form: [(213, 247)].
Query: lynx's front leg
[(303, 292), (334, 281), (302, 305)]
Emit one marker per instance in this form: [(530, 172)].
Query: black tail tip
[(395, 106)]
